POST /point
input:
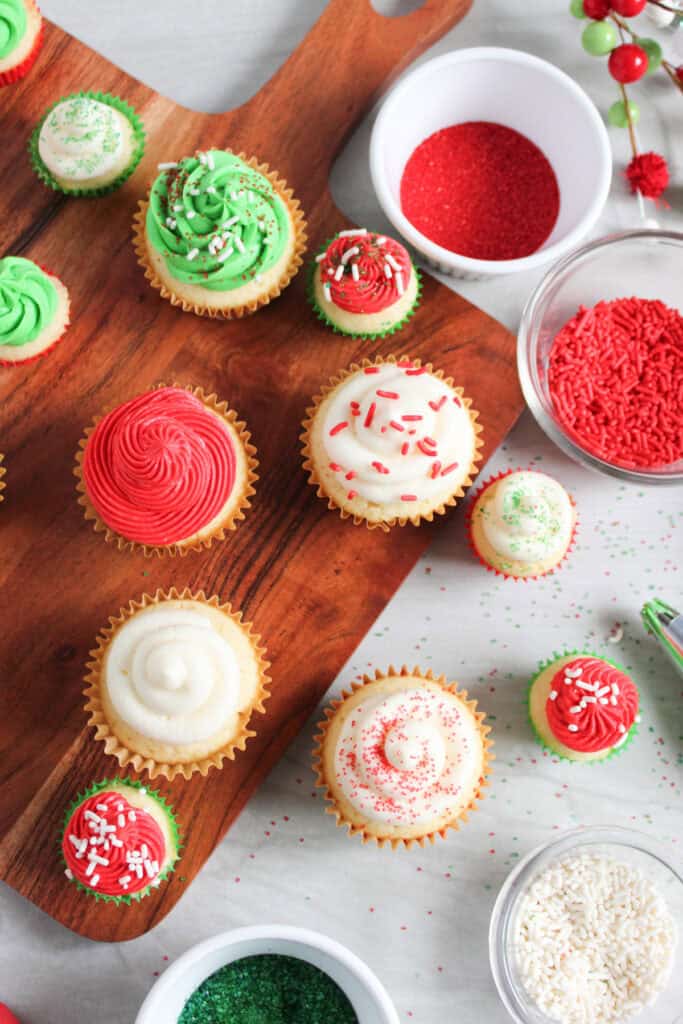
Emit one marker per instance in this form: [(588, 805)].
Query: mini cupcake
[(220, 234), (34, 310), (402, 757), (87, 144), (521, 524), (169, 471), (173, 682), (119, 841), (391, 442), (364, 284), (21, 37), (583, 708)]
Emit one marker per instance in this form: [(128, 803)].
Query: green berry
[(599, 38), (616, 115), (576, 8), (654, 53)]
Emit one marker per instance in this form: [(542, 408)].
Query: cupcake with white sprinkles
[(364, 284)]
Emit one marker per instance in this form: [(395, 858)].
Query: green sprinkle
[(268, 989)]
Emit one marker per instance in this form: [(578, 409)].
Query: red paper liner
[(39, 355), (20, 70), (470, 538)]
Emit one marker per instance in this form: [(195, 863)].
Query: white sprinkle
[(233, 194), (351, 232), (91, 816), (144, 850), (354, 272), (191, 214), (202, 158), (381, 240), (591, 687), (121, 820), (589, 699), (195, 191), (177, 208), (124, 881), (90, 869), (258, 277), (399, 283), (388, 271), (553, 695), (339, 272), (120, 805), (615, 689), (603, 700), (327, 292), (330, 271), (232, 220), (250, 196), (637, 718), (211, 190), (167, 166), (602, 691), (320, 257), (69, 874), (576, 710), (346, 256), (622, 727), (226, 254), (192, 254), (209, 161), (392, 262), (94, 858), (573, 728), (115, 842), (240, 244), (131, 814), (94, 880), (574, 673), (171, 222)]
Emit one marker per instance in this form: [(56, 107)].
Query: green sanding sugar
[(268, 989)]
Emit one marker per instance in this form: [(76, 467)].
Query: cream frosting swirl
[(82, 139), (408, 757), (397, 432), (530, 518), (172, 676)]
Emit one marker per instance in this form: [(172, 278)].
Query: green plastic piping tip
[(666, 625)]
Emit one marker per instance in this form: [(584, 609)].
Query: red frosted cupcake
[(168, 471), (21, 36), (364, 284)]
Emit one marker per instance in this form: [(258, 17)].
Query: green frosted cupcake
[(220, 235), (119, 841), (34, 310), (364, 284), (583, 707), (87, 144)]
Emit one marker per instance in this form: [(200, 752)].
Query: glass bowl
[(647, 264), (625, 845)]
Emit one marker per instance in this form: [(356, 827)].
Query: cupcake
[(582, 707), (119, 841), (21, 36), (220, 235), (87, 144), (364, 284), (173, 682), (34, 310), (402, 757), (521, 524), (168, 471), (391, 442)]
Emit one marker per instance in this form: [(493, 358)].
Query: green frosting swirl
[(216, 221), (12, 25), (28, 301)]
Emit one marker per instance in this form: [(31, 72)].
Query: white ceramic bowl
[(514, 89), (367, 995)]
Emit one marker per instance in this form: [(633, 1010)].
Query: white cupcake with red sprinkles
[(403, 757), (364, 284), (391, 442)]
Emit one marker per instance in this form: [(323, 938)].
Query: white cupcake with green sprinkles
[(119, 841), (87, 144), (364, 284)]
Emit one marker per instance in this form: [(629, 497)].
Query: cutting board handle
[(342, 65)]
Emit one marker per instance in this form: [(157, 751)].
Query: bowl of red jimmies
[(490, 161)]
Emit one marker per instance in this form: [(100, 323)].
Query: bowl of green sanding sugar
[(270, 974)]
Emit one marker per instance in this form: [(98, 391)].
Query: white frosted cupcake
[(173, 683), (403, 757), (391, 442), (522, 524)]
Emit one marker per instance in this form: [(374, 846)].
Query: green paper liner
[(613, 751), (19, 71), (50, 348), (368, 335), (473, 547), (102, 190), (98, 787), (2, 473)]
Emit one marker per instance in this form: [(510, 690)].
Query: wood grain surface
[(311, 583)]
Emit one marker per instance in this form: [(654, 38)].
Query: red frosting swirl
[(160, 467), (592, 705), (112, 847), (383, 270)]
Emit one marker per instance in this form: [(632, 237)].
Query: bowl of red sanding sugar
[(490, 161), (600, 356)]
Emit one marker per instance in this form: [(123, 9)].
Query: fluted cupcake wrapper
[(239, 504), (2, 474), (357, 829), (612, 751), (236, 312), (472, 503), (127, 757), (368, 335), (113, 101), (20, 71), (53, 344), (98, 787), (417, 517)]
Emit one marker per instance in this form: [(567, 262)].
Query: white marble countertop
[(419, 919)]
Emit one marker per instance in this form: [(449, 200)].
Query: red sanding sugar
[(615, 375), (481, 190)]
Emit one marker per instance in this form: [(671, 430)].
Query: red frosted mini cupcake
[(21, 37)]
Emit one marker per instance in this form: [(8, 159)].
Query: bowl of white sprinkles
[(585, 930)]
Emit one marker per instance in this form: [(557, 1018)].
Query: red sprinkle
[(416, 372), (615, 375), (335, 467), (449, 469), (482, 190), (405, 448), (350, 475), (457, 400), (380, 467), (396, 426), (409, 497), (411, 419), (387, 394), (370, 415), (426, 449), (437, 405), (371, 369), (338, 428), (436, 469), (430, 440), (351, 495), (403, 363)]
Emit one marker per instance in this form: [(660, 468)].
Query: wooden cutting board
[(311, 583)]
